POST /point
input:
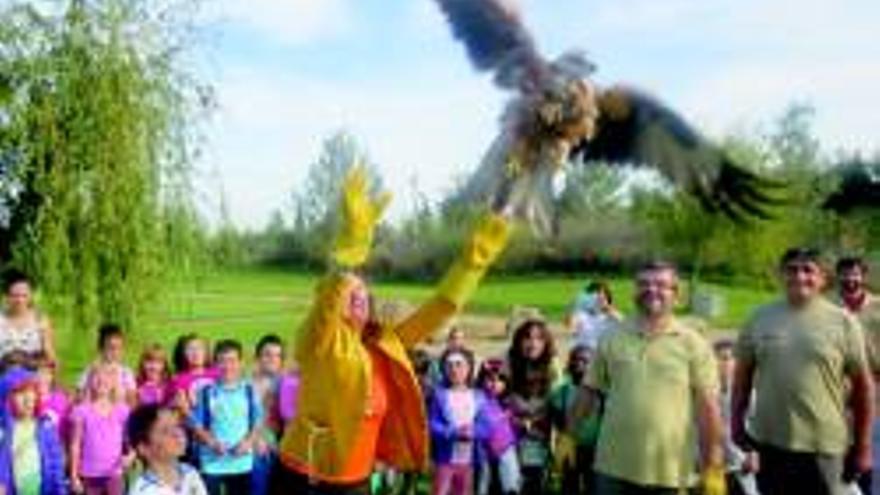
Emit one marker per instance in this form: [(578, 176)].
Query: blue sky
[(290, 72)]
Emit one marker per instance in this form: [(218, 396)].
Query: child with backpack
[(227, 421), (31, 455)]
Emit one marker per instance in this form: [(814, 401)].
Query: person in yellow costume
[(360, 401)]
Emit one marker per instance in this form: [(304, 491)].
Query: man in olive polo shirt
[(853, 296), (660, 382), (803, 358)]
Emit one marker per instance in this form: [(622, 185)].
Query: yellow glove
[(481, 250), (487, 241), (360, 215), (714, 481), (565, 453)]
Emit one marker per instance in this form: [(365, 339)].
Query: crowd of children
[(491, 422), (201, 426), (197, 423)]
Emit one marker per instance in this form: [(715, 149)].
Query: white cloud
[(289, 22)]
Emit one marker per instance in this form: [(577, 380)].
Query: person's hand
[(244, 447), (360, 214), (128, 460), (859, 461), (487, 241), (216, 446), (261, 447), (751, 463), (180, 402), (713, 481), (76, 484)]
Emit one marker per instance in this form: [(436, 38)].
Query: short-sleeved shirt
[(869, 317), (26, 458), (648, 434), (102, 439), (802, 359), (191, 382), (229, 414), (190, 483)]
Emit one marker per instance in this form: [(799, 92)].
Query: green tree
[(98, 125)]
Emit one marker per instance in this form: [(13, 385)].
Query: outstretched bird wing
[(635, 129), (496, 39)]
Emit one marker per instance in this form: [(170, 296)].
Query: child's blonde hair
[(153, 352), (98, 369)]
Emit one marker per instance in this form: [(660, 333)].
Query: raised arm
[(482, 248), (324, 327)]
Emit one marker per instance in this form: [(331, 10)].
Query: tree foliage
[(98, 135)]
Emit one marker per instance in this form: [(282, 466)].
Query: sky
[(289, 73)]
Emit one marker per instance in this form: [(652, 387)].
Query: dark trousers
[(230, 484), (285, 481), (579, 478), (864, 482), (785, 472), (607, 485), (534, 480)]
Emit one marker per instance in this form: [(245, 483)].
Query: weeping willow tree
[(97, 132)]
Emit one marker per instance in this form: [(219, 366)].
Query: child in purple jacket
[(31, 455), (458, 425), (499, 473)]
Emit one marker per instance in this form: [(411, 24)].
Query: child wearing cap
[(31, 455), (458, 424), (158, 438)]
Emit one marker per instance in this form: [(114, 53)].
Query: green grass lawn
[(246, 304)]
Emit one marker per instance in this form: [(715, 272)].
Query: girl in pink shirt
[(192, 372), (153, 376), (97, 457)]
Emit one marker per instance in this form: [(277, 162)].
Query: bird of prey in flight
[(557, 115)]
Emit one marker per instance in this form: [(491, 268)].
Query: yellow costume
[(336, 361)]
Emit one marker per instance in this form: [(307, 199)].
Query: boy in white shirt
[(158, 438)]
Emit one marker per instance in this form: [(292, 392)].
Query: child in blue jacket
[(31, 455)]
